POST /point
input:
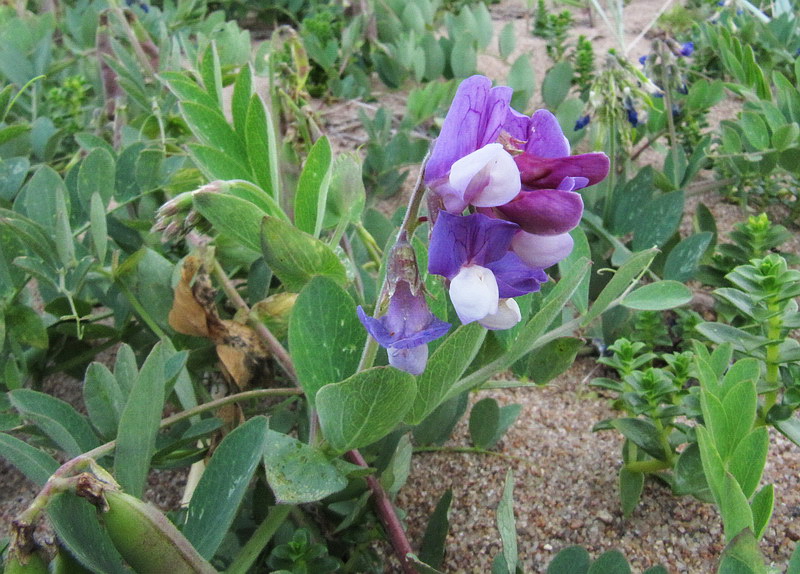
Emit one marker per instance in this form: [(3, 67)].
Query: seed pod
[(147, 540), (32, 563)]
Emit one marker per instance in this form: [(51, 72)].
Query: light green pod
[(147, 540)]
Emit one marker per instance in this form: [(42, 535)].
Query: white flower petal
[(508, 315), (474, 293), (541, 250), (488, 176)]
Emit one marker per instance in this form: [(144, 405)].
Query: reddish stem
[(385, 510)]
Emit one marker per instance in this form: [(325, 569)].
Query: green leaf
[(734, 508), (507, 40), (325, 336), (210, 127), (484, 419), (216, 164), (35, 464), (659, 220), (39, 198), (346, 196), (295, 257), (794, 561), (312, 188), (748, 460), (463, 57), (98, 226), (742, 555), (262, 150), (570, 560), (364, 408), (232, 215), (445, 367), (755, 130), (556, 84), (761, 506), (211, 73), (507, 525), (632, 268), (610, 562), (435, 537), (549, 361), (740, 340), (219, 493), (26, 327), (12, 174), (683, 259), (631, 200), (642, 433), (298, 473), (522, 80), (125, 369), (75, 523), (740, 404), (187, 90), (580, 252), (103, 399), (57, 419), (658, 296), (138, 425), (630, 490), (240, 101), (689, 475), (438, 426), (96, 175)]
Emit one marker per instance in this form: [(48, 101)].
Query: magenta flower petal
[(545, 211), (548, 173), (474, 239), (475, 119), (546, 138)]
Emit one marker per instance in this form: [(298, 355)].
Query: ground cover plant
[(168, 193)]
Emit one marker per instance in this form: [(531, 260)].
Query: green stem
[(611, 179), (772, 358), (259, 540), (648, 466)]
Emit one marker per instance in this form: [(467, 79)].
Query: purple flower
[(473, 252), (633, 115), (467, 165), (687, 49), (408, 325)]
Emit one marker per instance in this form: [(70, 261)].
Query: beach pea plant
[(329, 337)]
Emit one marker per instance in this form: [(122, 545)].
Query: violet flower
[(473, 253), (467, 165), (408, 325)]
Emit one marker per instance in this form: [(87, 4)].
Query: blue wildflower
[(582, 123), (687, 49)]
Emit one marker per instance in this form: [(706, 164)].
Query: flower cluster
[(516, 177), (502, 198)]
